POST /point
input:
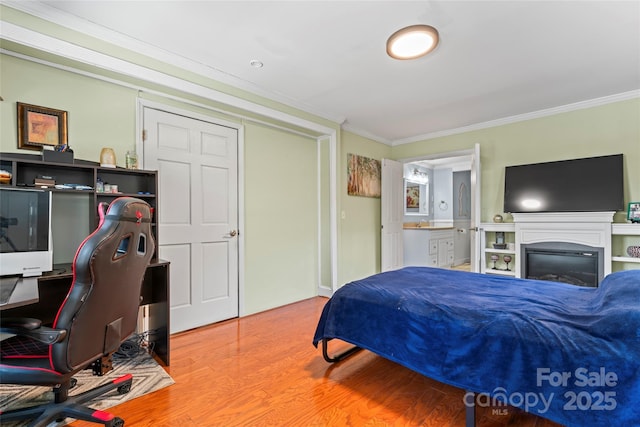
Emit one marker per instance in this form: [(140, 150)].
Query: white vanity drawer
[(433, 246)]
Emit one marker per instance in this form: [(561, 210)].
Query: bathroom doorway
[(448, 197)]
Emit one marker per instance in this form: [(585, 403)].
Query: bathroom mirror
[(416, 197)]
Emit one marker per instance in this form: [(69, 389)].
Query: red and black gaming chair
[(98, 314)]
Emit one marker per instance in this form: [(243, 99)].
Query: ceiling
[(496, 59)]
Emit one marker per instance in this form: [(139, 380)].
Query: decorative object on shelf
[(633, 251), (5, 177), (633, 212), (498, 218), (499, 244), (61, 153), (364, 176), (131, 160), (44, 181), (494, 258), (107, 158), (507, 259), (40, 126)]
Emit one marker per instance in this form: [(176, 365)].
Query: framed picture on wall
[(363, 174), (413, 195), (40, 126)]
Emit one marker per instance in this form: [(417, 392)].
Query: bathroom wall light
[(412, 42), (419, 176)]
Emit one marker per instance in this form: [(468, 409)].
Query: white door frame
[(475, 188), (330, 136), (142, 104), (392, 215)]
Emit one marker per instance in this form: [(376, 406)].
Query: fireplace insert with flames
[(577, 267)]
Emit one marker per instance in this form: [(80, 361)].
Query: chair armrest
[(20, 322), (32, 328)]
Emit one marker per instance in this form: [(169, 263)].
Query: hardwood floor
[(262, 370)]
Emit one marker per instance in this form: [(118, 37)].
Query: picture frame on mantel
[(40, 126), (633, 212)]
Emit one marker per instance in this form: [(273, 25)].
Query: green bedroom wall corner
[(359, 237)]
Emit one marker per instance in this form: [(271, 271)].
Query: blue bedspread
[(566, 353)]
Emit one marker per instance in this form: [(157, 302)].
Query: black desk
[(54, 286), (19, 291)]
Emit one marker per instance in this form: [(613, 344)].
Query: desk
[(20, 291), (54, 286)]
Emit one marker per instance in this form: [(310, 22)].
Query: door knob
[(233, 233)]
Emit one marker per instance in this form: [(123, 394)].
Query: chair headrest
[(129, 209)]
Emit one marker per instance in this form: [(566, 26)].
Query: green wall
[(360, 224), (281, 218), (606, 129), (100, 114)]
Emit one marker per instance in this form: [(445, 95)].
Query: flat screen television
[(26, 248), (593, 184)]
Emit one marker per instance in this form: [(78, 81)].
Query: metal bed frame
[(470, 410)]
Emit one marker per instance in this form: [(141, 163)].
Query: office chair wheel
[(73, 382), (124, 389), (117, 422)]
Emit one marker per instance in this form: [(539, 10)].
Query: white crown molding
[(522, 117), (72, 22), (500, 122), (363, 133), (26, 37)]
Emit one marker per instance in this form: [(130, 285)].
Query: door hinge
[(144, 134)]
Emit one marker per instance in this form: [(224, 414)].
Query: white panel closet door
[(197, 165)]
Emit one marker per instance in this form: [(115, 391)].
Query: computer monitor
[(26, 246)]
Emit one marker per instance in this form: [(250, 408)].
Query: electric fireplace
[(576, 264)]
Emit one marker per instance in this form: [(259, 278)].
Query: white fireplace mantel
[(582, 228), (573, 217)]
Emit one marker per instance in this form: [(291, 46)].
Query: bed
[(567, 353)]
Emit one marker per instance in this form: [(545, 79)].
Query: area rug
[(148, 377)]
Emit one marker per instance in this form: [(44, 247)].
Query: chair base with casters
[(65, 406)]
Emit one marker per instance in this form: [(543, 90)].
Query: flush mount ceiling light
[(412, 42), (256, 64)]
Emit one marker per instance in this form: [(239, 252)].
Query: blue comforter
[(567, 353)]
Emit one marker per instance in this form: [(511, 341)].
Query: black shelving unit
[(142, 184)]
